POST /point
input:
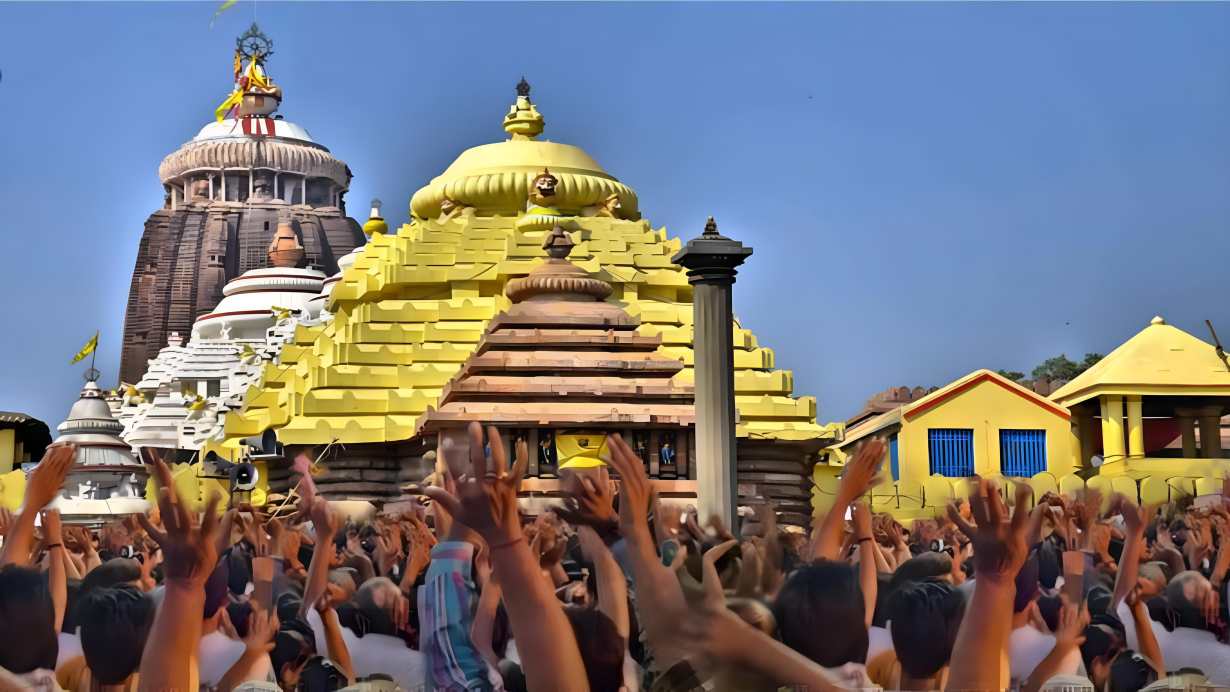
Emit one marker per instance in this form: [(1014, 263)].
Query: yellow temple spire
[(523, 120)]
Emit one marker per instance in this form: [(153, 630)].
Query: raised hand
[(262, 627), (189, 552), (636, 490), (486, 500), (861, 471), (48, 476), (999, 542), (589, 501)]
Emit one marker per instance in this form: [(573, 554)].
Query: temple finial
[(711, 227), (523, 120), (558, 244)]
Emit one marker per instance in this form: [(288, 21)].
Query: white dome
[(247, 308), (230, 128)]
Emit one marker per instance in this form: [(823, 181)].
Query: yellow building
[(22, 441), (414, 305), (1148, 414), (981, 424)]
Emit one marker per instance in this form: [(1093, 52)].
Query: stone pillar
[(251, 183), (1085, 433), (711, 260), (222, 173), (1136, 427), (277, 191), (1210, 432), (211, 188), (1187, 430), (303, 190), (1112, 428)]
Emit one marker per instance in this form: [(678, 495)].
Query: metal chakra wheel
[(253, 44)]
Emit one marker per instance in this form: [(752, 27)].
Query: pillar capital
[(711, 257)]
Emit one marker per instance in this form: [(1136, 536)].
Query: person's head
[(602, 649), (293, 648), (239, 571), (1151, 579), (929, 565), (344, 578), (27, 621), (1188, 596), (375, 604), (825, 593), (1129, 672), (115, 622), (1103, 644), (923, 618), (113, 572)]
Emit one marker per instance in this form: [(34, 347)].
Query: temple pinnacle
[(523, 87), (711, 227)]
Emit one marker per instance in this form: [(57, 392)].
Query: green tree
[(1061, 367), (1013, 375)]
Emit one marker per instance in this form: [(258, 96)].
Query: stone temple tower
[(227, 190)]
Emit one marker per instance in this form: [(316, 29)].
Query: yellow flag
[(86, 350), (231, 102), (226, 5)]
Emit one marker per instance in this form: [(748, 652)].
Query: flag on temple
[(230, 104), (238, 64), (86, 350), (226, 5)]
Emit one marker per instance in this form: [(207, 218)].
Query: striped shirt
[(447, 602)]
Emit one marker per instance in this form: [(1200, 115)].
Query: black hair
[(1049, 607), (239, 571), (925, 616), (115, 622), (75, 591), (928, 565), (1026, 584), (602, 649), (825, 593), (113, 572), (238, 614), (27, 621), (1130, 672), (1050, 566)]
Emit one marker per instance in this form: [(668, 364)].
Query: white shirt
[(879, 640), (1186, 647), (216, 654), (1124, 613), (70, 648), (1027, 646), (380, 653)]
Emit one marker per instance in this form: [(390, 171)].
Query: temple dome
[(250, 302), (495, 178)]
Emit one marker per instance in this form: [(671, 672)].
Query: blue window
[(1022, 452), (951, 451), (894, 462)]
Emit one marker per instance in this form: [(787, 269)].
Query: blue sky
[(930, 188)]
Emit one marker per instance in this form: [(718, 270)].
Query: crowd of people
[(613, 590)]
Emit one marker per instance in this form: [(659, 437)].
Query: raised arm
[(42, 487), (262, 628), (57, 577), (867, 567), (325, 525), (999, 552), (336, 644), (859, 474), (189, 556), (487, 503), (612, 586), (1134, 520)]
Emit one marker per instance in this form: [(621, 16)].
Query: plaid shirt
[(447, 601)]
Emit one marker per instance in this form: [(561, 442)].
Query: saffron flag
[(231, 103), (86, 350)]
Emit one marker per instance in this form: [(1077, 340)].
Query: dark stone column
[(711, 260)]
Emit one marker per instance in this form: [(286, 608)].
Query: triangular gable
[(974, 379)]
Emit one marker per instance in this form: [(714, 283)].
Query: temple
[(415, 336), (107, 478), (228, 190)]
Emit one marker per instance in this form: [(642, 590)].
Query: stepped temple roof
[(562, 356), (106, 477), (415, 305)]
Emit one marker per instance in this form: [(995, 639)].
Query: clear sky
[(930, 188)]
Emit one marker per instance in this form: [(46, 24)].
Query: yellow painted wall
[(8, 450), (986, 408)]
